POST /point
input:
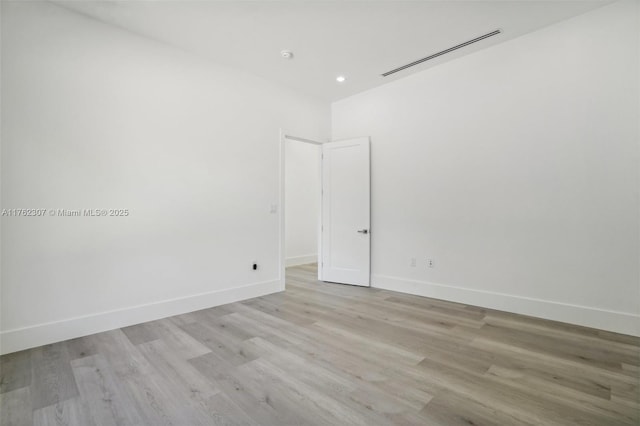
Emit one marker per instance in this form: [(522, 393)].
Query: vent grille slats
[(443, 52)]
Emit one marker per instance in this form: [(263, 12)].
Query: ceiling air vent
[(435, 55)]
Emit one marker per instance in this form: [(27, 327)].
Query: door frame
[(284, 136)]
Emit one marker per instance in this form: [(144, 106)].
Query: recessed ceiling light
[(287, 54), (341, 79)]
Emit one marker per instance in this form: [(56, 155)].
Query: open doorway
[(301, 204), (325, 215)]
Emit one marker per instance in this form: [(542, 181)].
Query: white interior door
[(345, 212)]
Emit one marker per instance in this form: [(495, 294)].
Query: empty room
[(290, 213)]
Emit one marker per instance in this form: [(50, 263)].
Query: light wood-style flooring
[(329, 354)]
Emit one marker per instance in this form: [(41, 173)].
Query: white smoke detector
[(287, 54)]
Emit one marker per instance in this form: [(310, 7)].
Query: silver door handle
[(363, 231)]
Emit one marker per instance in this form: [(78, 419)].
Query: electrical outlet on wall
[(430, 263), (412, 262)]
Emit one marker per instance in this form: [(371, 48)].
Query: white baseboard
[(619, 322), (301, 260), (42, 334)]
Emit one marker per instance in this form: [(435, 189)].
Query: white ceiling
[(358, 39)]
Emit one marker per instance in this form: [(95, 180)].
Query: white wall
[(302, 202), (96, 117), (516, 170)]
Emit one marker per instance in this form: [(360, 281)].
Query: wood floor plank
[(413, 396), (331, 354), (541, 359), (278, 310), (15, 371), (450, 409), (70, 412), (527, 406), (576, 350), (239, 387), (205, 314), (547, 329), (219, 342), (229, 329), (81, 347), (104, 396), (360, 397), (185, 379), (52, 377), (598, 406), (325, 354), (370, 343), (300, 367), (141, 333), (16, 408), (178, 372), (180, 342), (225, 412), (295, 402), (148, 391)]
